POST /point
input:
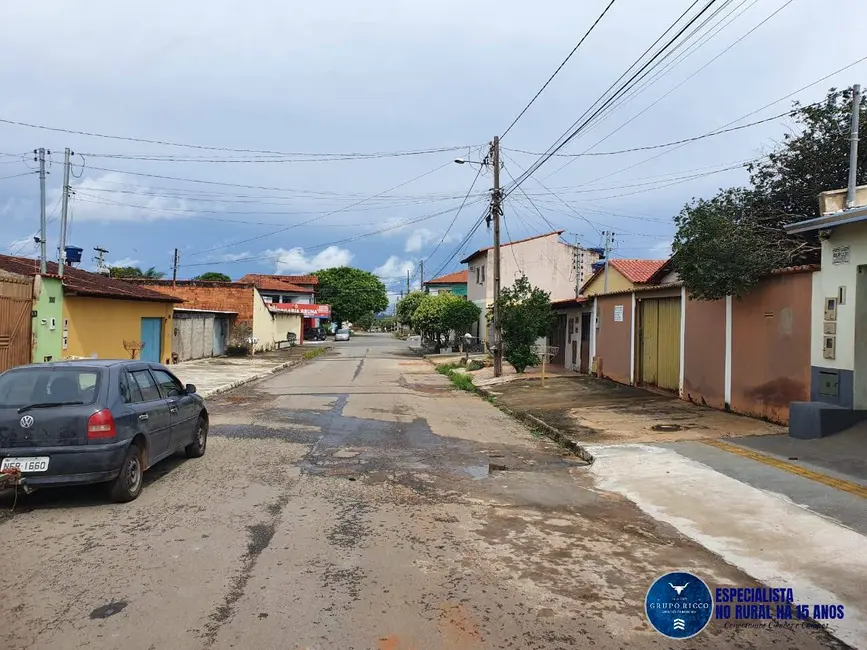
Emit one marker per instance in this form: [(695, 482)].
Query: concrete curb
[(283, 366), (551, 432)]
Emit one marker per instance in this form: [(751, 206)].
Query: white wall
[(547, 262), (826, 284)]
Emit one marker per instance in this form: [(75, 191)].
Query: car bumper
[(72, 465)]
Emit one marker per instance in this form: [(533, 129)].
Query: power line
[(327, 214), (463, 242), (91, 134), (3, 178), (457, 214), (559, 67)]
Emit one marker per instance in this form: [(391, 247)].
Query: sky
[(294, 116)]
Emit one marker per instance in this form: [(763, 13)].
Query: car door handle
[(143, 416)]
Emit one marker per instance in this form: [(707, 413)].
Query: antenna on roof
[(101, 266)]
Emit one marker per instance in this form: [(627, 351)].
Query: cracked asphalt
[(356, 503)]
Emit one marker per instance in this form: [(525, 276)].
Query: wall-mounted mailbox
[(831, 308), (829, 347)]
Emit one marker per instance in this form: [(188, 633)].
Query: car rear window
[(343, 331), (43, 384)]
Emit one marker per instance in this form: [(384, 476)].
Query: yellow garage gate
[(659, 343)]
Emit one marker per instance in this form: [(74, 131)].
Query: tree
[(525, 315), (726, 244), (365, 322), (438, 315), (406, 307), (136, 272), (352, 293), (213, 276)]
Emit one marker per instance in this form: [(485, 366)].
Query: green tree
[(459, 314), (428, 319), (406, 307), (525, 315), (213, 276), (726, 244), (365, 322), (352, 293), (136, 272)]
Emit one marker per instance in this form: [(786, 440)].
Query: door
[(16, 301), (659, 343), (183, 408), (221, 328), (152, 411), (585, 342), (151, 336), (559, 342)]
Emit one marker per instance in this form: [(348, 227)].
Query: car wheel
[(128, 484), (196, 449)]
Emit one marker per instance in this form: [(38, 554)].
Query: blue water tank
[(598, 265), (73, 254)]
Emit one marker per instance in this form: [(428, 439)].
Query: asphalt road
[(356, 502)]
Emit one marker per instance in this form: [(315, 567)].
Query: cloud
[(295, 260), (394, 269), (421, 237), (124, 261), (23, 246), (115, 196), (661, 250)]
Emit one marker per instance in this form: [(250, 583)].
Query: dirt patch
[(597, 411)]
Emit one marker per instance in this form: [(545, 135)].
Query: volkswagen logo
[(27, 421)]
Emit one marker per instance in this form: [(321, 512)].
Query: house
[(296, 290), (90, 315), (623, 274), (232, 312), (548, 263), (838, 339), (455, 283)]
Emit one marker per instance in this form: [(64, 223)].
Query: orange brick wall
[(219, 296)]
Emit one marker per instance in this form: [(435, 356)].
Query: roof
[(634, 270), (568, 302), (511, 243), (460, 277), (84, 283), (276, 283), (842, 218), (211, 284)]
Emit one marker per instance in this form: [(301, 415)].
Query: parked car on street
[(315, 334), (341, 335), (94, 421)]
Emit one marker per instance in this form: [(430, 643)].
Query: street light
[(462, 161)]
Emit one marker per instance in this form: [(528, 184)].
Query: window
[(477, 275), (145, 383), (169, 386), (38, 385), (129, 389), (483, 275)]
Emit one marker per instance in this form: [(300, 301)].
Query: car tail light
[(101, 425)]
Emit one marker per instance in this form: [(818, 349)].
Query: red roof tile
[(460, 277), (84, 283), (274, 283), (637, 271), (511, 243), (289, 279)]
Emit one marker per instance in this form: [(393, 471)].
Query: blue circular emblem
[(679, 605)]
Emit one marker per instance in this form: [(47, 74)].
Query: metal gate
[(659, 343), (16, 303), (558, 338)]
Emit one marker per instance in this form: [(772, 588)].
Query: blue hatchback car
[(94, 421)]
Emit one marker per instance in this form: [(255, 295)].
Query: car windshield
[(35, 385)]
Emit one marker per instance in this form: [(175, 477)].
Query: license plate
[(32, 464)]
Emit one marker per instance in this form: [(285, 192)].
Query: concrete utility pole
[(407, 282), (853, 146), (64, 207), (577, 266), (42, 224), (496, 211), (609, 239), (421, 275), (175, 268)]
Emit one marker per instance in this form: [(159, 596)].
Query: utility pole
[(578, 265), (496, 211), (609, 239), (421, 275), (42, 224), (853, 146), (407, 282), (175, 268), (61, 260)]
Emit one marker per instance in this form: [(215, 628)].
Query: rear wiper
[(45, 405)]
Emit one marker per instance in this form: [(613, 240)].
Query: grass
[(315, 352), (460, 380)]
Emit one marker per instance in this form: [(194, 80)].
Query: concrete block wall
[(218, 296)]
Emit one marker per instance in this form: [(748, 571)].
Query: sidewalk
[(216, 375)]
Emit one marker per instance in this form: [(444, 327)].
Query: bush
[(460, 380), (315, 352), (521, 356), (475, 364)]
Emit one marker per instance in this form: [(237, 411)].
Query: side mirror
[(191, 388)]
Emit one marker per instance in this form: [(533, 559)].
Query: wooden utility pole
[(496, 211), (175, 268)]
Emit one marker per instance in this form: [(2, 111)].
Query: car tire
[(128, 484), (196, 449)]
